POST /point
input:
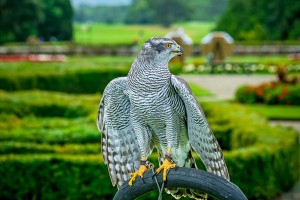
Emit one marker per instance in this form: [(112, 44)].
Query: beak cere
[(178, 51)]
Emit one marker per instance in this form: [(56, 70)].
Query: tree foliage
[(262, 20), (40, 18), (149, 12), (160, 12), (103, 14)]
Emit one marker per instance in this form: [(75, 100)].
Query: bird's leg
[(144, 166), (167, 164)]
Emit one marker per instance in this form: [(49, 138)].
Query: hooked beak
[(178, 51)]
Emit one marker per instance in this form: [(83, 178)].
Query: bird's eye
[(168, 45)]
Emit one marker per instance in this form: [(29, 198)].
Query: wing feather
[(200, 135), (120, 150)]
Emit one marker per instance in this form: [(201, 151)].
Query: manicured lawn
[(107, 34), (198, 91), (277, 111), (72, 63), (266, 59)]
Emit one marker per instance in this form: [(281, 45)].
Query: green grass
[(73, 63), (266, 59), (105, 34), (199, 91), (277, 111)]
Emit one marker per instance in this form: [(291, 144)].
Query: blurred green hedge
[(14, 147), (48, 130), (52, 177), (262, 160), (83, 80), (47, 104), (80, 81)]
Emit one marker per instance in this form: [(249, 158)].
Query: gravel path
[(224, 86)]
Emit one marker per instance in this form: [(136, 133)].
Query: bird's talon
[(165, 167), (139, 173)]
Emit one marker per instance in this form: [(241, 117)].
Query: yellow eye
[(168, 45)]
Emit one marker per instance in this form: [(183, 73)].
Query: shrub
[(261, 171), (9, 147), (83, 75), (262, 160), (269, 93), (48, 130), (54, 177), (78, 134), (246, 94), (259, 152), (80, 81), (43, 104), (292, 96)]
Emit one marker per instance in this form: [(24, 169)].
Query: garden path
[(224, 86)]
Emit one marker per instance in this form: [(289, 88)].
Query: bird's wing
[(200, 135), (119, 143)]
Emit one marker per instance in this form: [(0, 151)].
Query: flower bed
[(269, 93)]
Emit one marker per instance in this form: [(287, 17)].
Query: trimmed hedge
[(48, 130), (263, 161), (71, 77), (48, 177), (80, 81), (9, 147), (78, 134), (43, 104), (261, 171)]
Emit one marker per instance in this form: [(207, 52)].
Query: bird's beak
[(178, 51)]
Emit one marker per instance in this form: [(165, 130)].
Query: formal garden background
[(57, 56)]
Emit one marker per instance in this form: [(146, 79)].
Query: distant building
[(184, 41), (217, 46)]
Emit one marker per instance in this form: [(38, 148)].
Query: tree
[(58, 20), (139, 13), (40, 18), (261, 20), (19, 19), (208, 10), (163, 12)]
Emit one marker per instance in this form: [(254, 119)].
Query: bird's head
[(163, 49)]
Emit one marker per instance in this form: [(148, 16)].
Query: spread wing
[(200, 135), (119, 143)]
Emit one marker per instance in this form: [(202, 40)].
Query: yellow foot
[(166, 165), (140, 173)]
